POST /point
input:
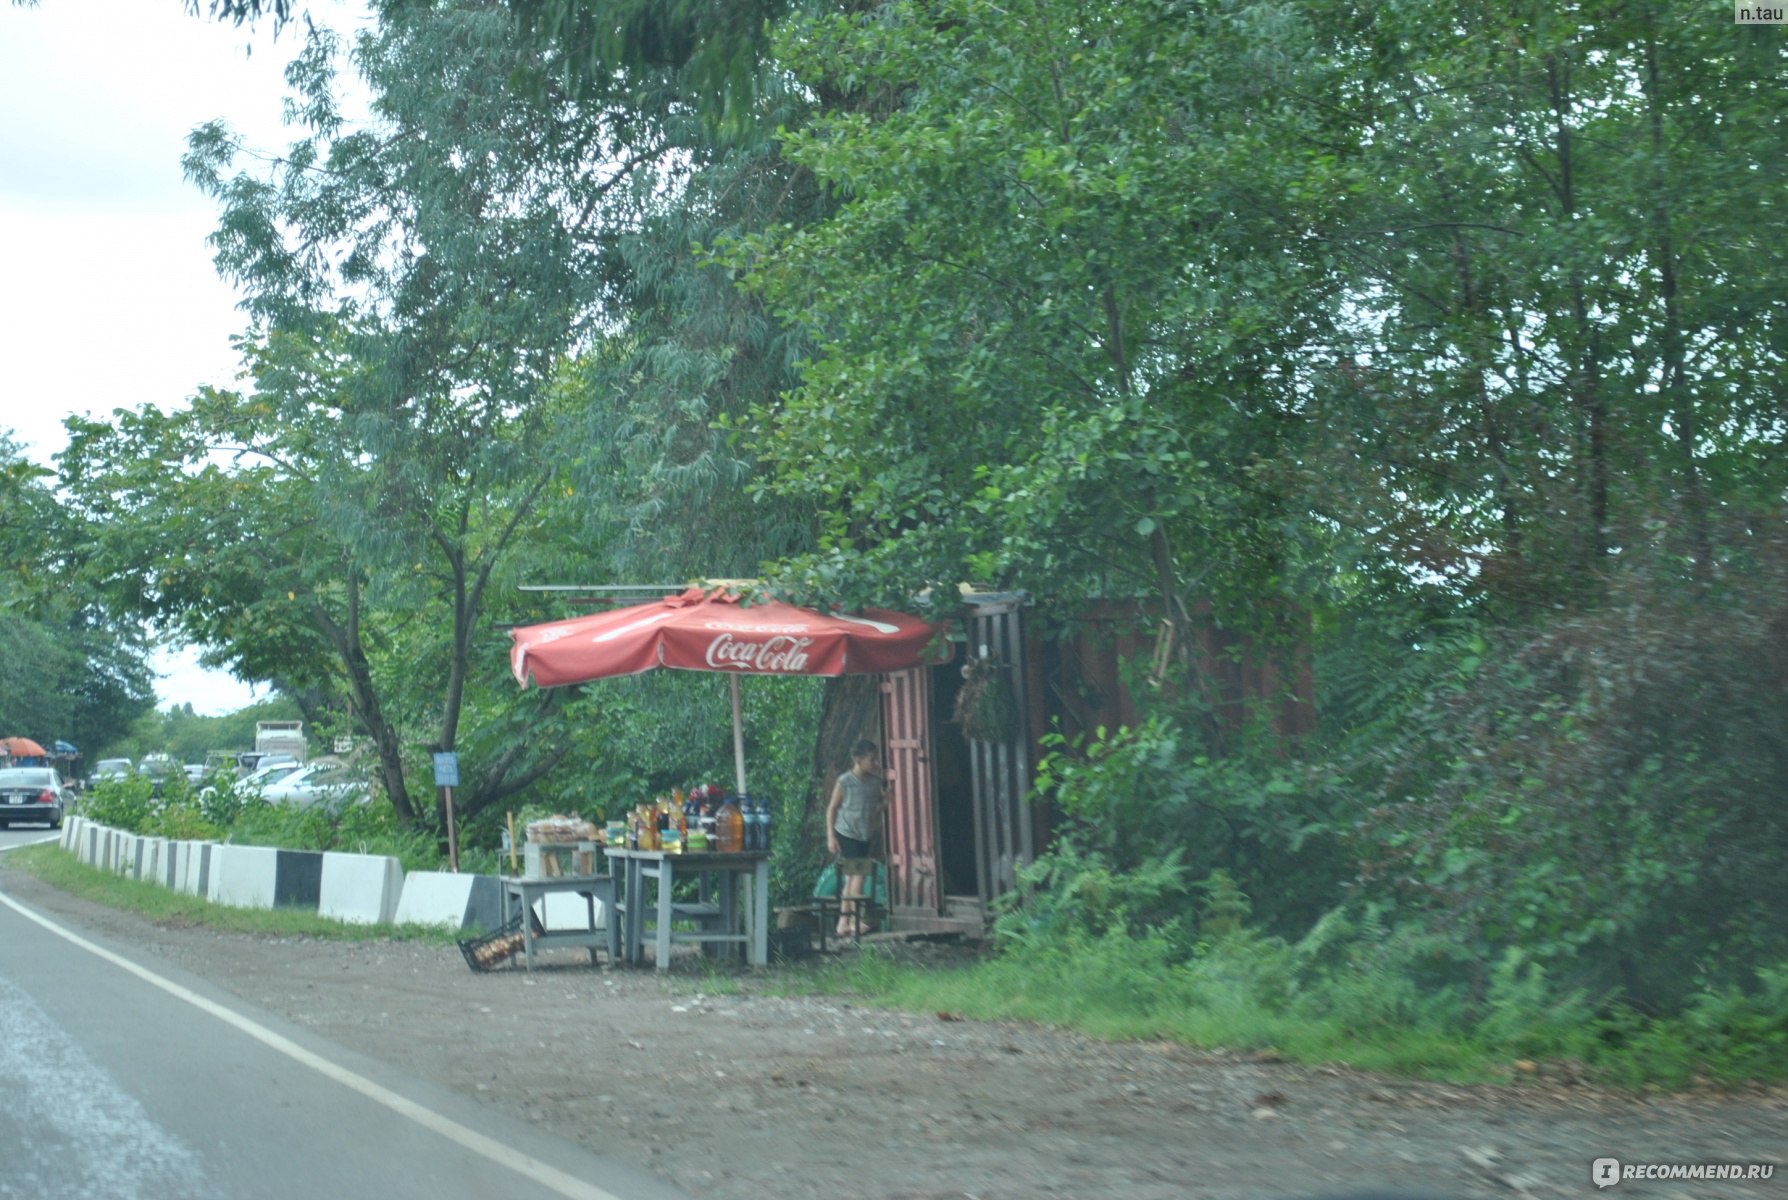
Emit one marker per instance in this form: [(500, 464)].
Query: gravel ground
[(743, 1094)]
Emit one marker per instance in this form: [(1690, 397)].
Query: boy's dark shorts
[(850, 847)]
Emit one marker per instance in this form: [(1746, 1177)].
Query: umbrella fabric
[(21, 747), (698, 631)]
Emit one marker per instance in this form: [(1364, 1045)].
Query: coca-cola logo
[(784, 654)]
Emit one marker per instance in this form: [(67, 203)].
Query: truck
[(280, 737)]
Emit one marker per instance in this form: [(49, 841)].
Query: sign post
[(447, 778)]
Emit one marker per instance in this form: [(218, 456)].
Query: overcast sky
[(107, 294)]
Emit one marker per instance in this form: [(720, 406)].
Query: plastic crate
[(493, 949)]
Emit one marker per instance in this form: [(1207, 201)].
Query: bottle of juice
[(729, 826)]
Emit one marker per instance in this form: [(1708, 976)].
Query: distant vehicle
[(160, 768), (277, 760), (112, 768), (32, 795), (219, 761), (257, 779), (331, 784), (195, 773), (281, 737)]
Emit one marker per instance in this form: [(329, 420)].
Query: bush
[(125, 803), (1604, 793)]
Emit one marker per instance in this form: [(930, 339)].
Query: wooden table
[(527, 890), (736, 913)]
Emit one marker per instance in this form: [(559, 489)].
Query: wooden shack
[(960, 819)]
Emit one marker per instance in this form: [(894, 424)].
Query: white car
[(332, 784), (256, 780)]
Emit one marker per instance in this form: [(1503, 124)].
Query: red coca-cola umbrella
[(716, 631)]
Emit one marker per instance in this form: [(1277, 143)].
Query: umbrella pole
[(738, 736)]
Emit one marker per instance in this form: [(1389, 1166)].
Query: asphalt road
[(123, 1078)]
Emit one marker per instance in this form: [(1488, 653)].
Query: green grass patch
[(1255, 995), (56, 866), (1123, 992)]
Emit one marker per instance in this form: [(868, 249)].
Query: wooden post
[(452, 837)]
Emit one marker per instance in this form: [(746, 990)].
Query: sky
[(108, 298)]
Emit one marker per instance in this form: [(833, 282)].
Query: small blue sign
[(446, 768)]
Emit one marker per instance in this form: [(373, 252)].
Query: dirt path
[(748, 1096)]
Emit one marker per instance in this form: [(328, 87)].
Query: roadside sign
[(446, 769)]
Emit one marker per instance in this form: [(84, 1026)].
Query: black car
[(31, 795)]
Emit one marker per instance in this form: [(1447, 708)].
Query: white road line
[(522, 1164)]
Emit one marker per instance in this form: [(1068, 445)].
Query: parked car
[(112, 768), (333, 784), (160, 768), (257, 779), (32, 795)]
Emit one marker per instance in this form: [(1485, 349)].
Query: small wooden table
[(741, 920), (526, 891)]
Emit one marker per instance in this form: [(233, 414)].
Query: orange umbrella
[(21, 747)]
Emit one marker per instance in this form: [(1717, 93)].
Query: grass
[(1130, 1001), (58, 867)]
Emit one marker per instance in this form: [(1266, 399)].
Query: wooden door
[(911, 814)]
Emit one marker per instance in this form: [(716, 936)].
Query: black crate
[(508, 939)]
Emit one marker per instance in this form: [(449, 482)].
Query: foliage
[(69, 673), (351, 829), (1023, 327), (1603, 792), (126, 803)]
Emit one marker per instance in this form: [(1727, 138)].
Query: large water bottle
[(753, 824)]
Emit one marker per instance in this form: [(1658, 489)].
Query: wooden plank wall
[(1004, 834)]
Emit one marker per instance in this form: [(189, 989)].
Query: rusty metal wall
[(911, 812), (1004, 837)]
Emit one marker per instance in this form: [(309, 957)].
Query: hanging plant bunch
[(985, 706)]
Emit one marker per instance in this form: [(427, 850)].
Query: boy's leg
[(850, 916)]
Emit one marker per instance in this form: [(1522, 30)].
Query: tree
[(69, 673), (1060, 313), (412, 286)]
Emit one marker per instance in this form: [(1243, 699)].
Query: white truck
[(280, 737)]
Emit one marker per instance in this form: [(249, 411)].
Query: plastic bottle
[(754, 824), (729, 824)]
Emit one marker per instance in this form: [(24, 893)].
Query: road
[(124, 1078)]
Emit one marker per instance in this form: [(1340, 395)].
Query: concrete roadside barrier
[(149, 863), (263, 877), (568, 910), (456, 901), (192, 868), (124, 853), (361, 889)]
